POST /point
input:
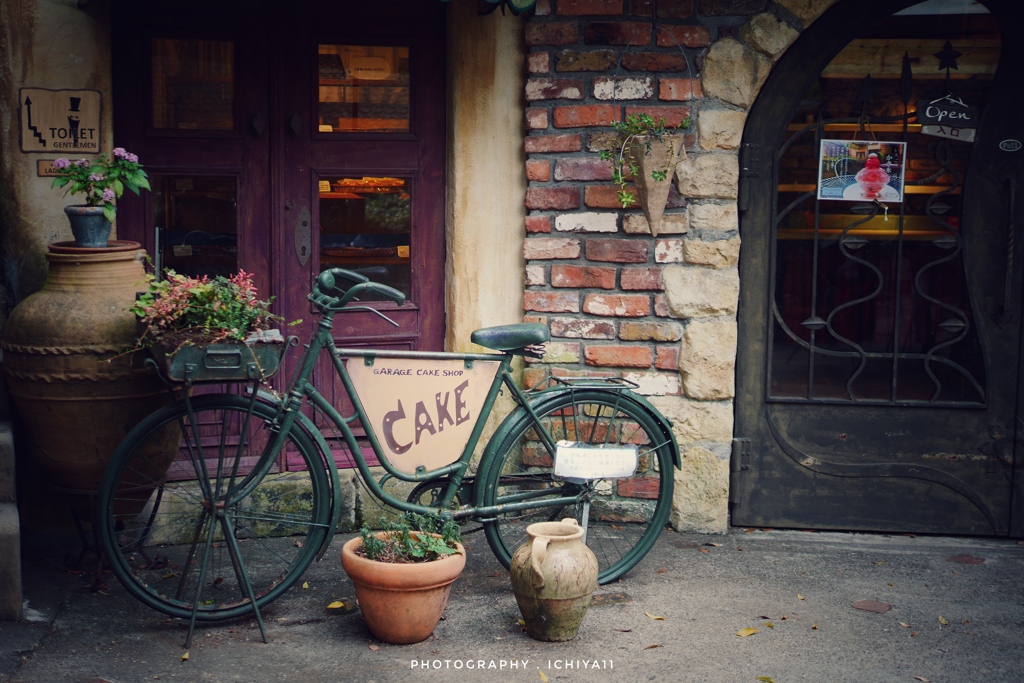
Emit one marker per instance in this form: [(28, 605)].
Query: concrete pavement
[(952, 612)]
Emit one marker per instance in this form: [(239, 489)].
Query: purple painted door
[(286, 138)]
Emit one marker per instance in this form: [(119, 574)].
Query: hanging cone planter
[(656, 161)]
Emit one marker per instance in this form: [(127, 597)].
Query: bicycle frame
[(301, 388)]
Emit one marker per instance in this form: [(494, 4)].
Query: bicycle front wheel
[(178, 544), (623, 517)]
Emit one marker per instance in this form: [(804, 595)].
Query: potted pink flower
[(102, 181)]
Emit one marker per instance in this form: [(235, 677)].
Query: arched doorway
[(880, 339)]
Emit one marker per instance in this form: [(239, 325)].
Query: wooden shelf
[(907, 189)]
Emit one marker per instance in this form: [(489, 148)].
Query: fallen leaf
[(913, 634), (769, 624), (922, 678), (337, 604), (184, 657), (651, 647), (872, 606), (374, 647), (298, 544), (814, 627), (305, 585), (943, 621), (543, 678), (714, 545), (904, 625), (766, 679), (890, 585), (495, 574), (745, 632), (624, 630), (965, 621), (763, 616), (656, 618), (704, 550), (879, 562), (783, 617), (661, 571), (218, 581), (800, 597)]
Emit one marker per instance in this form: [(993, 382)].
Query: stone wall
[(660, 311)]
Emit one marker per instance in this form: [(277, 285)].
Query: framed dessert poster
[(861, 170)]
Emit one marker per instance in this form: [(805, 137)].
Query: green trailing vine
[(637, 126)]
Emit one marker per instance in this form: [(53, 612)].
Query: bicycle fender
[(320, 443), (664, 424)]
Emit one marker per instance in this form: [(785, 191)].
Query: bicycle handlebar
[(329, 295)]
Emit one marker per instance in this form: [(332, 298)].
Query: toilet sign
[(61, 122)]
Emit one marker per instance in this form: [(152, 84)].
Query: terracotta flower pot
[(401, 603)]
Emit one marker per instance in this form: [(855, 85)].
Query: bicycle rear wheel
[(623, 516), (176, 544)]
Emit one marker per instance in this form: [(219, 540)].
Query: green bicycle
[(221, 532)]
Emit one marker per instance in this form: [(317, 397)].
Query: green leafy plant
[(102, 180), (180, 309), (410, 539), (641, 128)]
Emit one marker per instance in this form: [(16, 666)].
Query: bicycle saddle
[(511, 337)]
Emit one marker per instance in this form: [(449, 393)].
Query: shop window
[(365, 225), (363, 89), (196, 224), (193, 84), (870, 294)]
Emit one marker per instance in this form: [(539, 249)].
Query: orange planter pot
[(401, 603)]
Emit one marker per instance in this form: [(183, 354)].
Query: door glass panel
[(870, 297), (363, 89), (365, 225), (193, 84), (196, 219)]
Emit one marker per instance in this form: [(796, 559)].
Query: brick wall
[(594, 273), (660, 311)]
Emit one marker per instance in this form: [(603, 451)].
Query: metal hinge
[(738, 464), (741, 450), (750, 159)]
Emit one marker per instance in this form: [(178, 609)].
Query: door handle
[(1005, 313), (295, 123)]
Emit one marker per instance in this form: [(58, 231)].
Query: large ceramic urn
[(76, 388)]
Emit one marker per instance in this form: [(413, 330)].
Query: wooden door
[(286, 138), (878, 373)]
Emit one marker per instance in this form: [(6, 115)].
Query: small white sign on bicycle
[(575, 460), (423, 411)]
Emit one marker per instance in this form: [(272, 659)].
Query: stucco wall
[(43, 44)]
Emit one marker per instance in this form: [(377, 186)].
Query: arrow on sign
[(28, 114)]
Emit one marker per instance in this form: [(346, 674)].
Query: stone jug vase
[(554, 575), (401, 602), (89, 226), (75, 388), (661, 155)]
